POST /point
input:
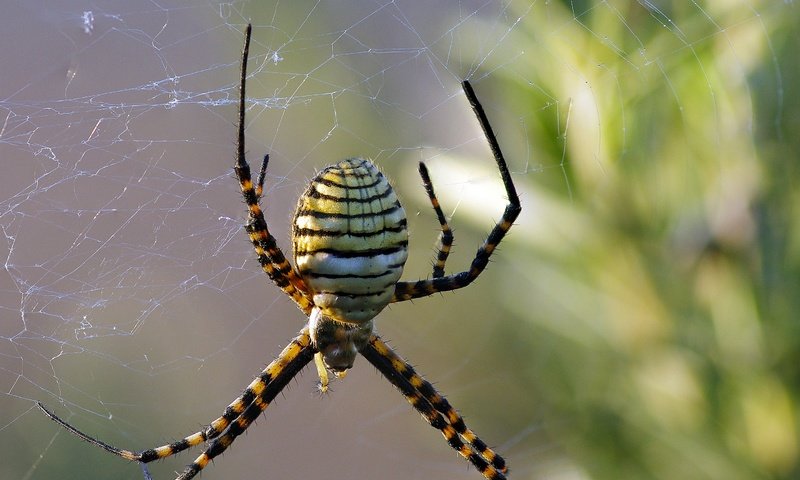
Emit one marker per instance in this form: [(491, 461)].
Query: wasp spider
[(349, 241)]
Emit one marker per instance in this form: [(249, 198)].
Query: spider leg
[(261, 390), (445, 241), (409, 290), (126, 454), (434, 408), (288, 364), (270, 256)]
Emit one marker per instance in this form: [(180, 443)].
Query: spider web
[(131, 303)]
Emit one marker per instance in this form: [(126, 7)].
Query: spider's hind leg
[(262, 174), (445, 241), (441, 283), (270, 256)]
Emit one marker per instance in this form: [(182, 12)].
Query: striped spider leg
[(445, 241), (349, 244), (236, 418), (435, 409), (440, 283), (270, 256)]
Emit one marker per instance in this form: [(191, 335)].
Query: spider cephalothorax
[(349, 241)]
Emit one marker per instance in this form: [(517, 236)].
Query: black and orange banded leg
[(410, 290), (288, 364), (445, 241), (435, 409), (270, 256), (261, 390)]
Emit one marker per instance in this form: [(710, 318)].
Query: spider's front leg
[(435, 409), (289, 363), (236, 418)]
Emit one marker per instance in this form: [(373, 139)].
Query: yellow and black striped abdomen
[(350, 240)]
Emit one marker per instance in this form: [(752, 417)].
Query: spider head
[(338, 342)]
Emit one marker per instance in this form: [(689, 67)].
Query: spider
[(349, 241)]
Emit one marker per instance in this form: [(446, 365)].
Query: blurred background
[(639, 322)]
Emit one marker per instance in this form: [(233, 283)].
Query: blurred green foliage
[(661, 280)]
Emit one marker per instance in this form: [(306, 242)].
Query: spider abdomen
[(350, 240)]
